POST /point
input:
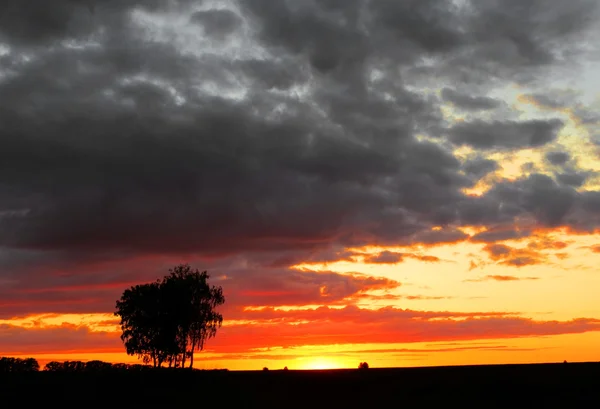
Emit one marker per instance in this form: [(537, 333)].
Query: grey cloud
[(575, 179), (468, 102), (217, 23), (537, 196), (34, 23), (558, 158), (505, 135), (492, 236), (570, 99), (480, 167), (120, 139), (385, 257)]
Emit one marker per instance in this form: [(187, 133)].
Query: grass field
[(573, 385)]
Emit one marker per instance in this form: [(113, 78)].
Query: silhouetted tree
[(120, 367), (143, 332), (18, 365), (67, 366), (363, 365), (168, 320), (98, 366), (53, 366)]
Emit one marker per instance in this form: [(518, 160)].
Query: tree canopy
[(164, 322), (8, 364)]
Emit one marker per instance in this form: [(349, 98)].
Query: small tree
[(363, 366)]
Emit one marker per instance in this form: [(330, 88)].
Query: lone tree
[(167, 320)]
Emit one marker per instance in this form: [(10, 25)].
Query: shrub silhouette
[(67, 366), (98, 366), (265, 369), (18, 365), (363, 366)]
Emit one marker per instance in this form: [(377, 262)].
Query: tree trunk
[(192, 352), (184, 349)]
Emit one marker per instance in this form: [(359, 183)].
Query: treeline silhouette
[(26, 365), (123, 386), (18, 365)]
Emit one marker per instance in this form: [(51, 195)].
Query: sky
[(407, 183)]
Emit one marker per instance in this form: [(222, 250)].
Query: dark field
[(505, 386)]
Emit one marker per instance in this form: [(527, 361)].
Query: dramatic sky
[(403, 182)]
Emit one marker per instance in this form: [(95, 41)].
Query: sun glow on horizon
[(321, 363)]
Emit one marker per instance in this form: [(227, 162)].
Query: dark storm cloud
[(480, 167), (575, 179), (558, 158), (505, 135), (468, 102), (569, 101), (567, 173), (295, 131), (537, 197), (385, 257), (32, 23), (492, 236)]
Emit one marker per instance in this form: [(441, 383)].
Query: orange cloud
[(270, 327), (64, 338), (511, 256), (77, 293), (393, 257), (500, 278), (547, 244), (385, 257)]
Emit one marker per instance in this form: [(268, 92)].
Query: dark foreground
[(508, 386)]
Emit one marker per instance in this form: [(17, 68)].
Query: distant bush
[(285, 368), (265, 369), (18, 365), (363, 366), (107, 367), (67, 366), (92, 366), (98, 366), (120, 367)]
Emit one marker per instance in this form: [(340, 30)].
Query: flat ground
[(573, 385)]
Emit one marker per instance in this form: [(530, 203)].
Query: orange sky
[(458, 303)]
